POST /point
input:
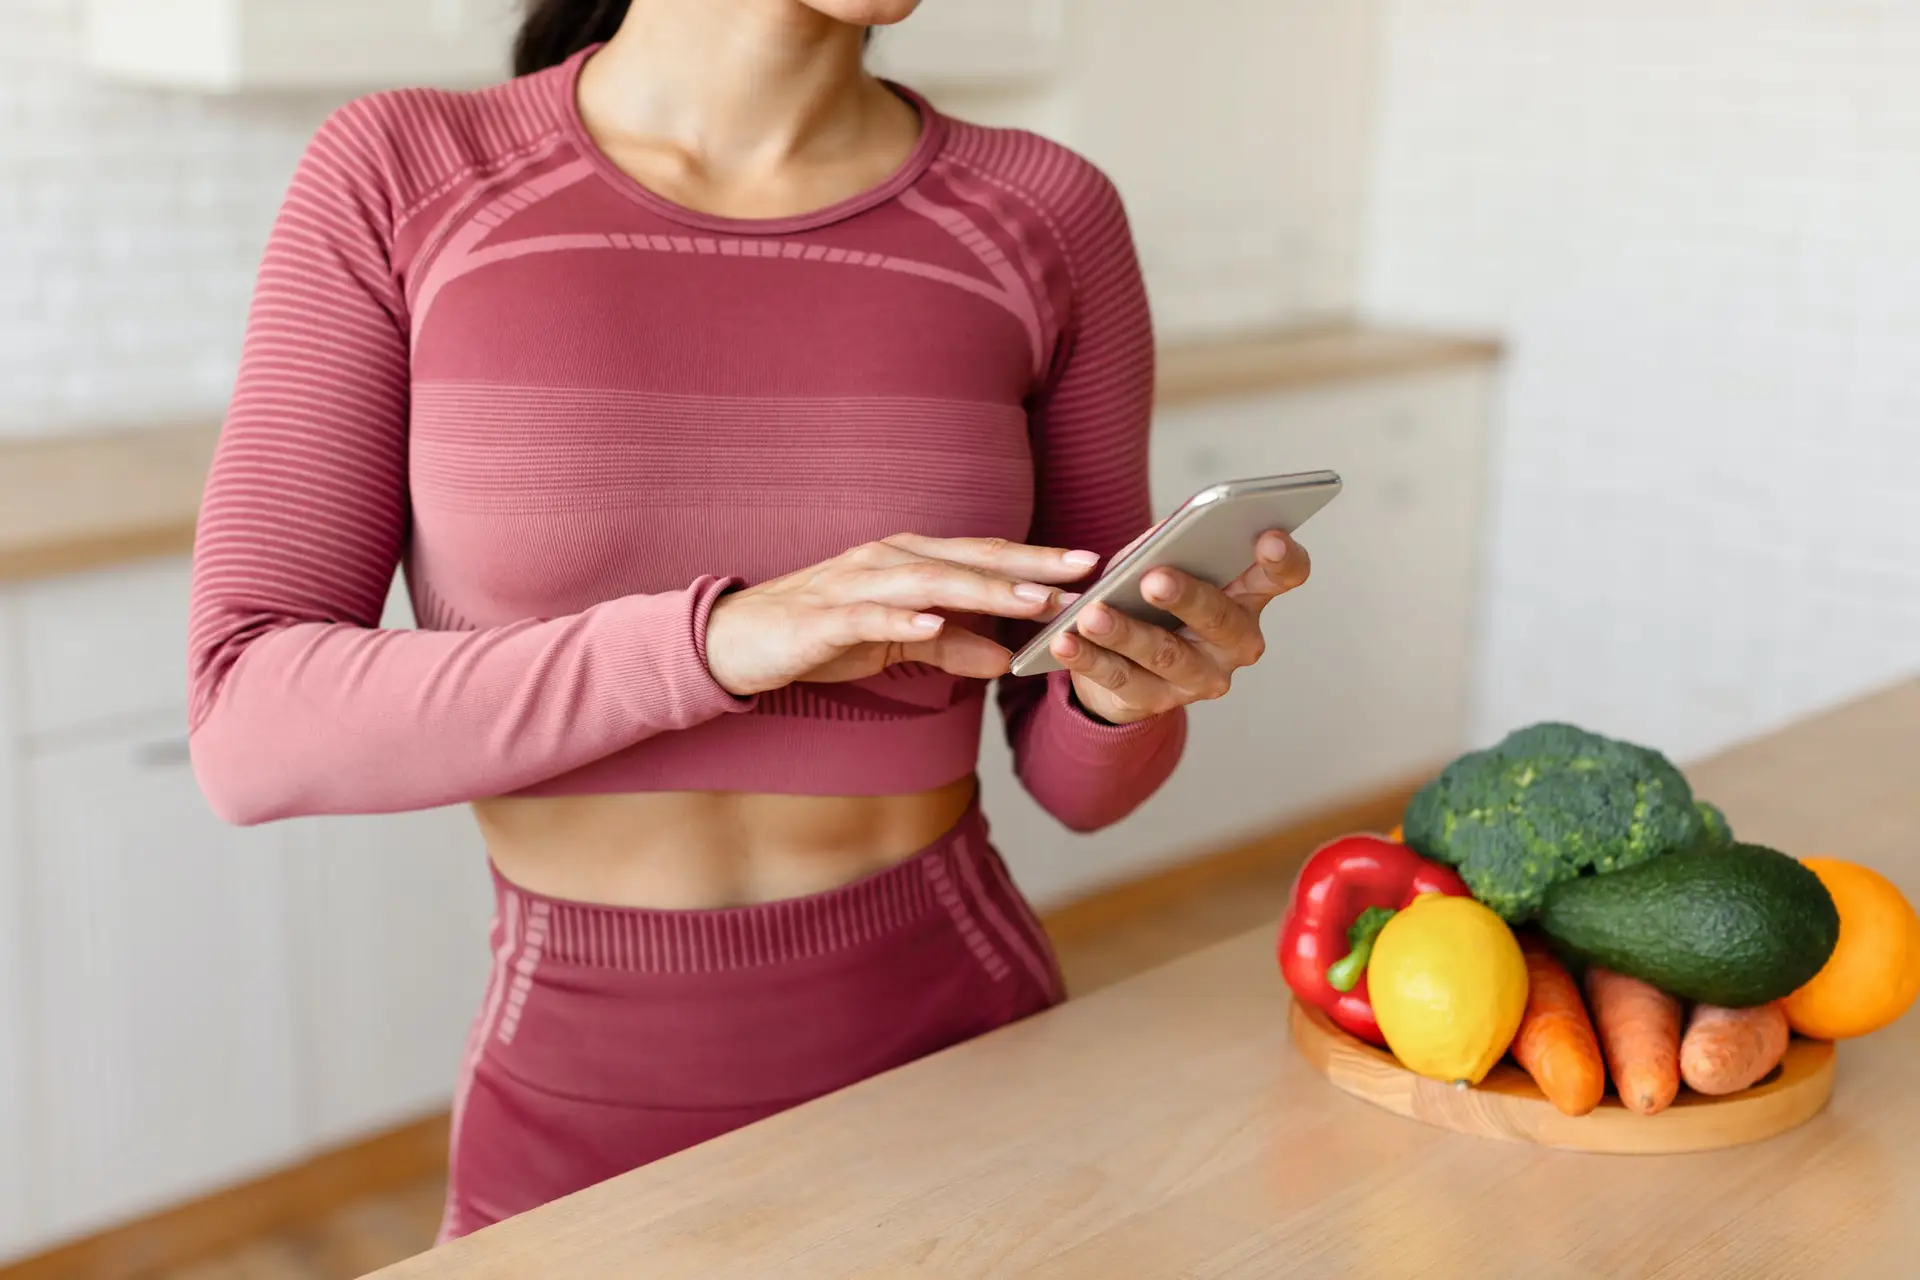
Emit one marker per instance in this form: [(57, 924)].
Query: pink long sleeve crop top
[(576, 413)]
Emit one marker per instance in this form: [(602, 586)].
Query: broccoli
[(1718, 834), (1551, 802)]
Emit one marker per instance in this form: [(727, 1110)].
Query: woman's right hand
[(868, 608)]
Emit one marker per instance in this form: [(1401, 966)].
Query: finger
[(864, 622), (1015, 560), (1178, 662), (1225, 625), (940, 584), (952, 647), (961, 652), (1280, 565), (1131, 683)]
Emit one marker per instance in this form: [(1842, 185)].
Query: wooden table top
[(70, 504), (1165, 1127)]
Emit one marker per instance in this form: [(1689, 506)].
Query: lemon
[(1448, 985)]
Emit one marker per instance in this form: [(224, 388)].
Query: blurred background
[(1606, 309)]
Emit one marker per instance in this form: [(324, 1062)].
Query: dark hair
[(555, 30)]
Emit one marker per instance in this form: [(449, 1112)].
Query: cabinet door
[(1366, 677), (19, 1142), (166, 1054), (105, 649), (390, 936), (389, 918), (354, 45), (1368, 667)]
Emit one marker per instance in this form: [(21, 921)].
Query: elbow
[(1091, 809), (235, 796), (238, 778), (235, 762), (1078, 804), (1092, 798), (1084, 822)]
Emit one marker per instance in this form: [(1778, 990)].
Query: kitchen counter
[(1165, 1127), (68, 505)]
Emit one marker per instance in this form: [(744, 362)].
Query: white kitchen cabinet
[(160, 946), (103, 649), (356, 45), (389, 933), (347, 45), (1366, 678), (183, 1003), (19, 1143), (389, 930)]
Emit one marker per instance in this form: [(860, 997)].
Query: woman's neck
[(736, 86)]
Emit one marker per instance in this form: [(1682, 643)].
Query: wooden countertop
[(1165, 1127), (1303, 358), (68, 505)]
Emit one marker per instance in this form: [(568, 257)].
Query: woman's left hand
[(1125, 670)]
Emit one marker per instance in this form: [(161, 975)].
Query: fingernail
[(1065, 646), (1096, 620), (1033, 591), (1159, 587), (1082, 559), (1068, 597), (1273, 547), (928, 621)]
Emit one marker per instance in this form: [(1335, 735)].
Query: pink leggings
[(610, 1037)]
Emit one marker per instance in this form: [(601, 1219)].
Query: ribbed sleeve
[(299, 705), (1090, 427)]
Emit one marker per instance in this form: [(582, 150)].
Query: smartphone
[(1210, 537)]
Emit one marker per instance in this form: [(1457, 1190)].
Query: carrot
[(1640, 1028), (1727, 1050), (1555, 1043)]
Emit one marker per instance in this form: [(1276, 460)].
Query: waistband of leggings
[(647, 940)]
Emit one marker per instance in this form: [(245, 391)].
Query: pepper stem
[(1344, 975)]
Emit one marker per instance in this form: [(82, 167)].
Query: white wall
[(1698, 222), (131, 220), (130, 225), (1239, 132)]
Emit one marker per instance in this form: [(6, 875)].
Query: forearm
[(1086, 773), (315, 718)]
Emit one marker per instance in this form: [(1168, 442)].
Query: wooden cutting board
[(1507, 1104)]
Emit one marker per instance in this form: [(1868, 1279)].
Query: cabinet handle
[(168, 754)]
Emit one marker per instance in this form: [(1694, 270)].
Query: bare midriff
[(694, 850)]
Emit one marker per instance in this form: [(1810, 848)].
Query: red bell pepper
[(1347, 890)]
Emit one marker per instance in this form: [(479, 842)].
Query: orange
[(1398, 835), (1874, 972)]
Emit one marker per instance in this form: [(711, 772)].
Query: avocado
[(1735, 926)]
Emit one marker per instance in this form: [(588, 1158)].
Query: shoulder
[(1076, 200), (400, 147)]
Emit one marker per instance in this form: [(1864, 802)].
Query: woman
[(641, 363)]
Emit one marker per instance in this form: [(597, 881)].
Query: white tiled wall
[(1698, 221), (131, 220), (130, 225), (1239, 132)]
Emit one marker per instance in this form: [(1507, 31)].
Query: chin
[(866, 13)]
